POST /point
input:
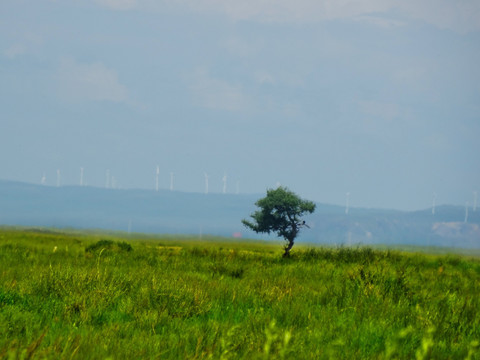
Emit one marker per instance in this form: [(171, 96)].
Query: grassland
[(93, 296)]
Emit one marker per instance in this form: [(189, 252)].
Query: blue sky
[(380, 99)]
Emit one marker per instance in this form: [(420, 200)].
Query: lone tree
[(280, 212)]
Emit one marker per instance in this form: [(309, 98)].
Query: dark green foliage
[(189, 300), (108, 245), (279, 212)]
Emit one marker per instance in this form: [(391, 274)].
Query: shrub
[(108, 245)]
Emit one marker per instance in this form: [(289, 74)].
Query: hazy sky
[(377, 98)]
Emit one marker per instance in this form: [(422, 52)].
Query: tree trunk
[(288, 247)]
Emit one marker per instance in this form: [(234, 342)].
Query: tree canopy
[(280, 212)]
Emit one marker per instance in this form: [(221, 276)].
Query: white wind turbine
[(224, 179), (475, 193), (107, 179), (238, 187), (347, 202), (466, 212), (58, 177), (171, 181), (434, 203), (81, 176), (44, 179), (206, 182), (156, 178)]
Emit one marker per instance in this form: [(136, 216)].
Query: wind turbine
[(238, 187), (475, 200), (44, 179), (107, 179), (81, 176), (224, 179), (58, 177), (347, 202), (171, 181), (156, 178), (433, 203), (206, 182), (466, 212)]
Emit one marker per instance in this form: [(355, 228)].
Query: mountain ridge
[(177, 212)]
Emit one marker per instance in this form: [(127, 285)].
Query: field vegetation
[(96, 296)]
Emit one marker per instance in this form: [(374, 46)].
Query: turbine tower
[(171, 181), (81, 176), (238, 187), (224, 179), (466, 212), (347, 203), (107, 179), (156, 178), (475, 200), (206, 182), (44, 179), (433, 203), (58, 177)]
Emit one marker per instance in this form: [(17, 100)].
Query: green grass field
[(96, 296)]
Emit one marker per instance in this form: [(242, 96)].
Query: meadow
[(80, 295)]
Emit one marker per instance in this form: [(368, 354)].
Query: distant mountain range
[(173, 212)]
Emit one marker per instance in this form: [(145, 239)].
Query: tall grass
[(93, 296)]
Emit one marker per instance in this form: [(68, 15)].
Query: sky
[(378, 98)]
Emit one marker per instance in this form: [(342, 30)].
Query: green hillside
[(96, 296)]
